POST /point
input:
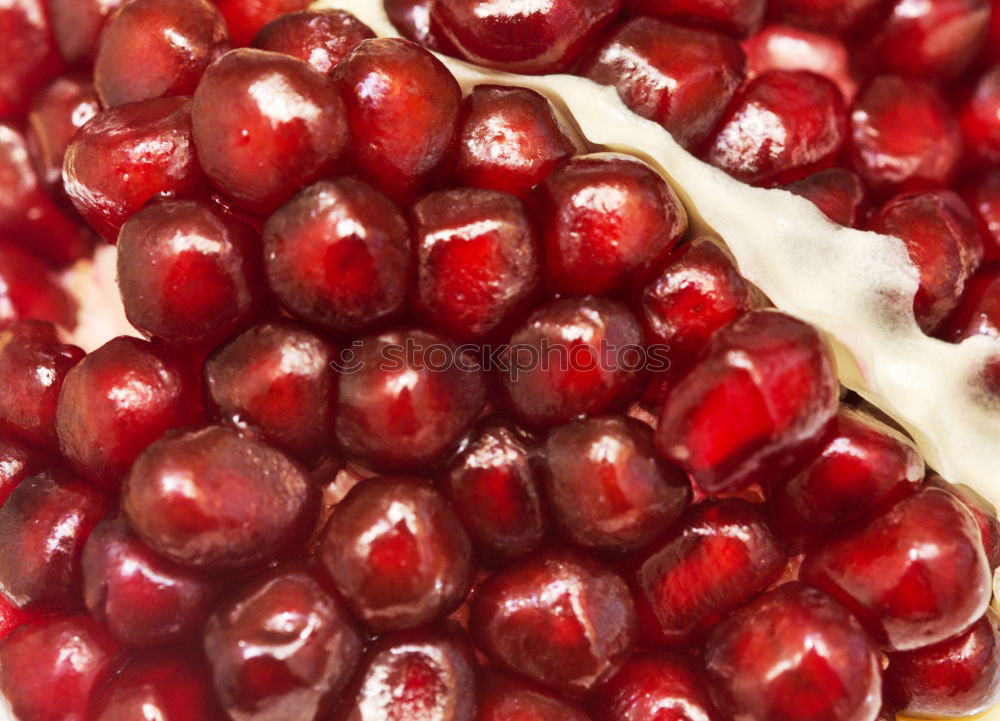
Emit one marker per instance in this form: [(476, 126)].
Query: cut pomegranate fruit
[(980, 119), (18, 462), (77, 26), (838, 193), (982, 193), (978, 313), (827, 16), (783, 47), (245, 18), (30, 55), (502, 698), (322, 38), (29, 290), (56, 113), (735, 17)]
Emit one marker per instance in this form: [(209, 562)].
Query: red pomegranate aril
[(681, 78), (570, 357), (493, 488), (17, 463), (663, 686), (755, 405), (77, 26), (141, 598), (216, 499), (30, 55), (913, 576), (861, 468), (412, 18), (979, 116), (794, 654), (840, 195), (982, 193), (56, 113), (978, 311), (245, 18), (169, 684), (783, 47), (12, 617), (903, 136), (402, 109), (266, 124), (406, 398), (738, 18), (128, 155), (609, 490), (508, 139), (281, 648), (942, 240), (477, 262), (957, 677), (426, 674), (277, 377), (991, 51), (338, 255), (118, 400), (826, 16), (781, 127), (983, 511), (187, 274), (397, 553), (33, 365), (721, 555), (50, 669), (43, 527), (30, 290), (321, 38), (502, 698)]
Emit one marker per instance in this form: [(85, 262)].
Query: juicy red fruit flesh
[(733, 17), (30, 291), (246, 17), (322, 38), (502, 698), (57, 112), (31, 58), (838, 193)]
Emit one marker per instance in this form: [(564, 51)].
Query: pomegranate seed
[(524, 38), (421, 675), (117, 401), (129, 155), (733, 17), (826, 16), (477, 262), (77, 26), (493, 489), (412, 19), (271, 502), (50, 668), (782, 47), (982, 193), (839, 194), (141, 598), (28, 289), (282, 647), (914, 576), (682, 79), (781, 127), (259, 148), (30, 55), (904, 136), (560, 618), (43, 526), (794, 653), (978, 312), (571, 357), (992, 47), (754, 407), (406, 398), (720, 556), (402, 109), (502, 698), (942, 240), (12, 617), (321, 38), (632, 495), (245, 18), (957, 677), (18, 462), (56, 113), (397, 553), (654, 686), (984, 513), (508, 139), (979, 116), (33, 365)]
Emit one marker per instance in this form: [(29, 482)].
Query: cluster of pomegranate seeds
[(623, 488)]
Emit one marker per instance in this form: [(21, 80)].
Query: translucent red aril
[(978, 312), (979, 116), (43, 526), (783, 47), (992, 49), (632, 496), (338, 255), (683, 79), (322, 38), (508, 139), (402, 109), (493, 489), (141, 598), (982, 193), (187, 273), (129, 155), (914, 576), (115, 402), (77, 25), (502, 698), (30, 55), (240, 503), (477, 262), (572, 356), (943, 243), (18, 462), (861, 468), (56, 113), (982, 511), (524, 38), (733, 17), (755, 405), (28, 289), (412, 18), (957, 677), (397, 553), (722, 554), (406, 398), (782, 126), (427, 674), (12, 617), (794, 654), (281, 647), (838, 193), (652, 686), (903, 136), (33, 365), (266, 124), (277, 377), (246, 18), (49, 669), (827, 16)]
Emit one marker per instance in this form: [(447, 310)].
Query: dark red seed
[(321, 38), (12, 617), (978, 312), (733, 17), (245, 18), (412, 19), (56, 113), (783, 47), (30, 290), (77, 25), (982, 193), (983, 511), (30, 55), (839, 194), (828, 16), (17, 463), (502, 698), (979, 116)]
